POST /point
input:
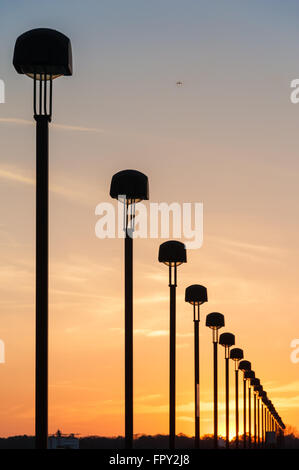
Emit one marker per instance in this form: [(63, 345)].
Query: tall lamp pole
[(129, 187), (264, 398), (236, 354), (172, 253), (249, 375), (254, 383), (258, 389), (215, 321), (244, 366), (196, 295), (42, 54), (227, 340), (265, 402), (262, 410)]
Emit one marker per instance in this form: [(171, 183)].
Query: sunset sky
[(227, 138)]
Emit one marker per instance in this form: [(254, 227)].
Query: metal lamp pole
[(43, 54), (244, 366), (215, 321), (249, 375), (129, 187), (196, 295), (172, 253), (227, 340), (236, 355)]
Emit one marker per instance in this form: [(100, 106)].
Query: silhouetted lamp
[(129, 187), (196, 295), (215, 321), (263, 409), (173, 254), (227, 340), (249, 375), (42, 54), (258, 389), (244, 366), (254, 382), (236, 354), (264, 402)]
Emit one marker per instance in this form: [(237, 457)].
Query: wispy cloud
[(152, 299), (25, 122), (240, 248), (14, 175), (153, 396), (287, 402), (156, 333), (290, 387)]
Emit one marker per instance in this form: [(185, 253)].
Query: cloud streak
[(25, 122), (14, 175)]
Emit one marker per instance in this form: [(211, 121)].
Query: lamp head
[(245, 365), (252, 382), (131, 185), (215, 320), (255, 382), (43, 51), (196, 294), (172, 253), (249, 374), (227, 339), (236, 354)]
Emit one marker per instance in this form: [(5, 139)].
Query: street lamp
[(258, 389), (236, 354), (42, 54), (172, 253), (254, 383), (244, 366), (129, 187), (264, 398), (227, 340), (270, 410), (215, 321), (196, 295), (249, 375), (266, 402)]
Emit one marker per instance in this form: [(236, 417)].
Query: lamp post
[(271, 409), (258, 389), (236, 354), (249, 375), (215, 321), (172, 253), (244, 366), (264, 397), (42, 54), (266, 418), (254, 383), (266, 414), (129, 187), (196, 295), (227, 340)]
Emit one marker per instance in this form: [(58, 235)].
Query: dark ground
[(140, 442)]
